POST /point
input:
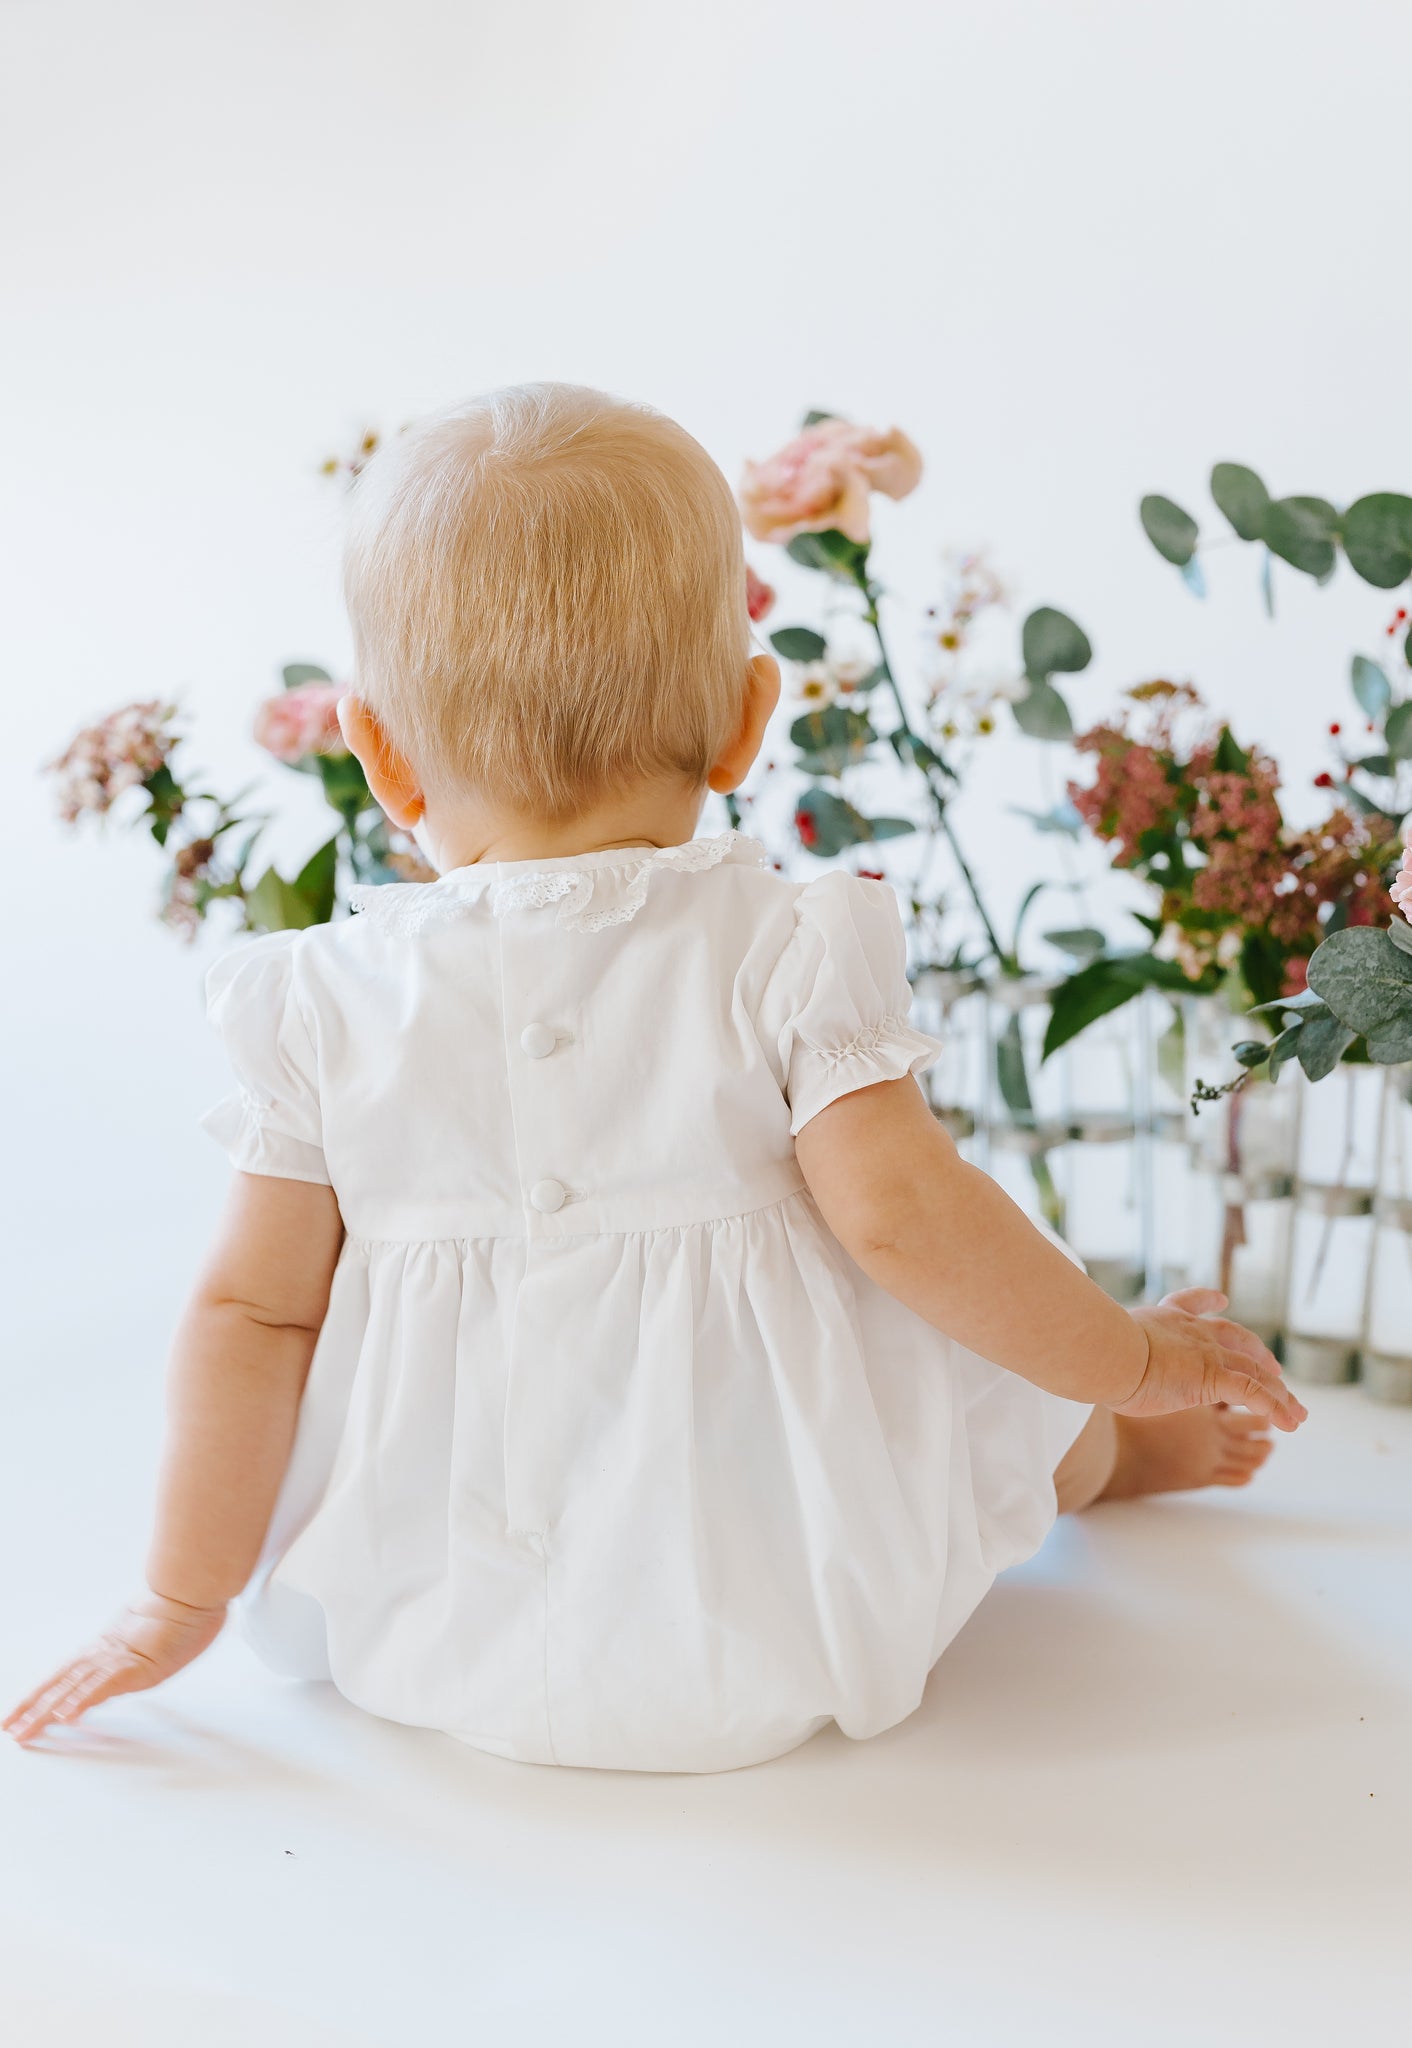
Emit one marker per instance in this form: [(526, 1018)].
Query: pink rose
[(301, 721), (822, 479), (759, 596)]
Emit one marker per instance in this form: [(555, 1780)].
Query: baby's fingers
[(69, 1693), (1243, 1381)]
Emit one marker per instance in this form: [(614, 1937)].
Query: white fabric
[(609, 1455)]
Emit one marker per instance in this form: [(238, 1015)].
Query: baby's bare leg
[(1115, 1457)]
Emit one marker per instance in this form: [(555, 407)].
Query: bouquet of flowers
[(210, 841)]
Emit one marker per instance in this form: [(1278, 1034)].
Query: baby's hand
[(151, 1638), (1196, 1360)]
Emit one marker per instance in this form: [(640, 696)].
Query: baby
[(605, 1357)]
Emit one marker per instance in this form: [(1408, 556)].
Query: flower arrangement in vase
[(814, 499)]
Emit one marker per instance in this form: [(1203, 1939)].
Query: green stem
[(929, 774)]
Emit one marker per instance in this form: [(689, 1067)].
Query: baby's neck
[(459, 835)]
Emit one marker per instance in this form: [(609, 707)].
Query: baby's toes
[(1240, 1459)]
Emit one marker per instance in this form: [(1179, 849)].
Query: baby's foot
[(1197, 1447)]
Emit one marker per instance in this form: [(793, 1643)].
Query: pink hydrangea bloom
[(300, 722), (823, 478), (119, 752)]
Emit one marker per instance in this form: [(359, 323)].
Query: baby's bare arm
[(943, 1238), (237, 1373)]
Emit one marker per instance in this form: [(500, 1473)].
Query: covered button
[(538, 1041), (547, 1196)]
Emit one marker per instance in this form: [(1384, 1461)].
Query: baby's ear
[(391, 776)]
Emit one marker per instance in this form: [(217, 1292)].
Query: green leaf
[(1081, 942), (297, 672), (1043, 714), (1194, 576), (832, 551), (1106, 984), (345, 784), (1302, 531), (1171, 531), (890, 828), (1374, 764), (1305, 1003), (1377, 538), (1397, 733), (1239, 493), (812, 417), (831, 739), (1322, 1043), (1370, 685), (1283, 1047), (1063, 818), (275, 905), (799, 643), (1051, 643), (317, 880), (1230, 758), (835, 823), (1011, 1073), (1400, 932), (1367, 983), (1251, 1052)]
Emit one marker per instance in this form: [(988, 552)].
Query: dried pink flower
[(1402, 881), (118, 753), (300, 722)]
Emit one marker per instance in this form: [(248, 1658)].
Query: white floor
[(1160, 1791)]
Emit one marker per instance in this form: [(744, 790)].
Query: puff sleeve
[(270, 1124), (839, 997)]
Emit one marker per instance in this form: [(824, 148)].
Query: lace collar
[(589, 891)]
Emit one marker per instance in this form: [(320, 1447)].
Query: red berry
[(806, 828), (1323, 780), (1335, 728)]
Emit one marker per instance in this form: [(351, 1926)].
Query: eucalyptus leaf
[(1370, 685), (1251, 1052), (1080, 942), (799, 643), (1052, 643), (1283, 1047), (1043, 714), (833, 825), (1172, 532), (890, 828), (1322, 1043), (832, 739), (1366, 981), (1400, 932), (1306, 1002), (1374, 764), (1063, 818), (1377, 538), (1239, 493), (813, 417), (1302, 531), (1397, 733), (296, 673), (1194, 576)]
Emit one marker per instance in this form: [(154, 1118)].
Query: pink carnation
[(301, 721), (759, 596), (822, 480)]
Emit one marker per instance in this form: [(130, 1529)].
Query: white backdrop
[(1078, 248)]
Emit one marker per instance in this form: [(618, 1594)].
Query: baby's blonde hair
[(547, 589)]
